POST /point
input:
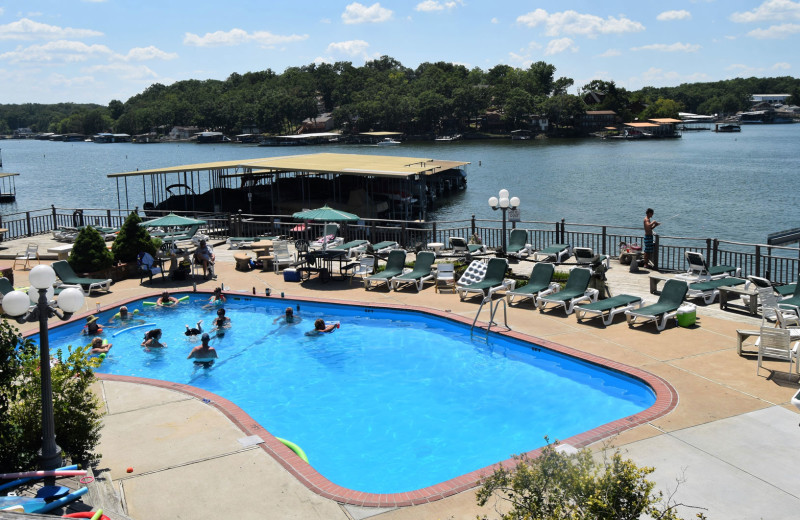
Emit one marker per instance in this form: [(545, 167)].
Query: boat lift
[(8, 188)]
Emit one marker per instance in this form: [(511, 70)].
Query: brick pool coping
[(666, 401)]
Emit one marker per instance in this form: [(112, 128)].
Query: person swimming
[(97, 346), (92, 327), (221, 322), (203, 353), (288, 317), (195, 331), (165, 300), (153, 340), (123, 315), (320, 327)]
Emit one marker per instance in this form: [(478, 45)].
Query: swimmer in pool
[(92, 327), (320, 327), (153, 340), (123, 315), (98, 347), (196, 331), (204, 352), (165, 300), (221, 322), (288, 318)]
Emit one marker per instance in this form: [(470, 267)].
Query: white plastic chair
[(776, 343), (31, 253), (445, 274), (280, 250), (771, 309), (365, 267)]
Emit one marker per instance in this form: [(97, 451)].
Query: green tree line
[(385, 95)]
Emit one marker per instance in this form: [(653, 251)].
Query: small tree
[(558, 485), (131, 240), (89, 253)]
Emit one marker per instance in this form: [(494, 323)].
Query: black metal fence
[(779, 264)]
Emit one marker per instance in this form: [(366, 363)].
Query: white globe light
[(503, 194), (16, 303), (42, 276), (514, 202), (70, 299), (33, 294), (493, 202), (504, 202)]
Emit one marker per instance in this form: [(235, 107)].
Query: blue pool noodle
[(21, 481), (131, 328)]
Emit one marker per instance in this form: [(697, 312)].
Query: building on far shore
[(770, 98)]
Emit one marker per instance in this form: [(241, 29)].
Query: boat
[(454, 137), (727, 127), (520, 135), (388, 141)]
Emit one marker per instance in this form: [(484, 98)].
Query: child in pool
[(165, 300), (195, 331), (221, 322), (320, 327), (98, 347), (153, 340)]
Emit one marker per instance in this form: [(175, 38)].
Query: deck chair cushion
[(614, 305), (423, 270)]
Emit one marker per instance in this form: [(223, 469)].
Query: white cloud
[(654, 75), (325, 20), (149, 53), (434, 5), (26, 29), (572, 22), (63, 81), (60, 50), (560, 45), (349, 48), (359, 13), (524, 58), (782, 66), (673, 47), (671, 16), (775, 32), (610, 53), (124, 71), (495, 20), (238, 37), (771, 10)]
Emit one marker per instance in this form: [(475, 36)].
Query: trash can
[(687, 315)]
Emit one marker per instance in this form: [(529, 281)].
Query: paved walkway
[(730, 437)]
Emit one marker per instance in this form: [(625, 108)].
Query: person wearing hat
[(92, 326), (204, 352)]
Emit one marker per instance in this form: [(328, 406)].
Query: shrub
[(558, 485), (133, 239), (76, 409), (89, 253)]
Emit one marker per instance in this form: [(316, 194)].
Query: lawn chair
[(777, 343), (394, 267), (577, 290), (460, 245), (353, 248), (557, 253), (68, 277), (518, 245), (423, 271), (665, 308), (587, 256), (699, 270), (281, 254), (615, 305), (365, 267), (446, 275), (709, 290), (148, 266), (31, 253), (791, 299), (539, 283), (5, 287), (493, 281)]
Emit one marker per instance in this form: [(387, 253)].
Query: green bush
[(133, 239), (89, 253), (558, 485), (76, 409)]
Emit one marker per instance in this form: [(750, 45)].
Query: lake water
[(729, 186)]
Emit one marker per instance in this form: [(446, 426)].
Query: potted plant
[(132, 239), (89, 253)]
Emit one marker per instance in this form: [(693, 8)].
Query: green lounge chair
[(423, 270), (699, 269), (5, 287), (558, 253), (394, 267), (709, 290), (540, 283), (793, 300), (665, 308), (460, 245), (68, 277), (186, 234), (353, 248), (576, 291), (384, 247), (518, 245), (615, 305), (493, 281)]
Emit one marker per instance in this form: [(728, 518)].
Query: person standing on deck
[(649, 226)]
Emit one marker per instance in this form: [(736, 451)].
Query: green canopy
[(172, 220), (326, 214)]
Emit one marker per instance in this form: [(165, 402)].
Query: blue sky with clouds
[(98, 50)]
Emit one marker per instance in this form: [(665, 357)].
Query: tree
[(89, 254), (131, 240), (662, 108), (557, 485)]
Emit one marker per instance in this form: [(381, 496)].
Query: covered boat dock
[(371, 186)]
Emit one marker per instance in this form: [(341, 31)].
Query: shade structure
[(326, 214), (172, 220)]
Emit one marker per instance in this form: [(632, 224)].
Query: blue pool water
[(390, 402)]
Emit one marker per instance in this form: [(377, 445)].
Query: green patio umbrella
[(325, 214), (172, 220)]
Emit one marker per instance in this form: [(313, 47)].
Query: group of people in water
[(203, 353)]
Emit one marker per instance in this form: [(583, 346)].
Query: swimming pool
[(393, 401)]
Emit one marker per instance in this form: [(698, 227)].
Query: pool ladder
[(493, 306)]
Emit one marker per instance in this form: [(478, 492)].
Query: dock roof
[(337, 163)]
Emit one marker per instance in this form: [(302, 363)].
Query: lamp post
[(503, 203), (18, 304)]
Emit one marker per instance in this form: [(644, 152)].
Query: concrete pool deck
[(730, 437)]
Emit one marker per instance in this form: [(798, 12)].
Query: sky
[(93, 51)]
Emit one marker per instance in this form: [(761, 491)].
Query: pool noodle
[(152, 304), (28, 479), (131, 328), (295, 448), (97, 515), (45, 473), (61, 501)]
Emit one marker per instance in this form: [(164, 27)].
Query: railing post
[(373, 233), (473, 226), (708, 250), (434, 233), (55, 217), (238, 221), (758, 260), (562, 239), (403, 235), (108, 217), (715, 246), (603, 247), (656, 255), (28, 223)]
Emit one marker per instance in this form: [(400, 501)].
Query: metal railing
[(778, 263)]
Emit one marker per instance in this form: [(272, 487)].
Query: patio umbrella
[(172, 220), (326, 214)]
